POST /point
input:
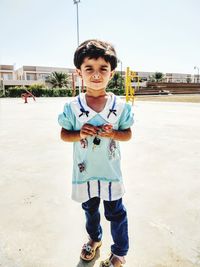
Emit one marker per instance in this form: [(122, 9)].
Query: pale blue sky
[(149, 35)]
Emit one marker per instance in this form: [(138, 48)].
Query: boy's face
[(96, 73)]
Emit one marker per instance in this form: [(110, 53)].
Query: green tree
[(158, 76), (58, 79), (117, 81)]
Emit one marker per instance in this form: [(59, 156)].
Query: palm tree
[(116, 82), (58, 79), (158, 76)]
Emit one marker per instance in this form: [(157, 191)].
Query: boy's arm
[(75, 136), (70, 136), (119, 135)]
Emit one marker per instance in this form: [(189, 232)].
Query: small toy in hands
[(96, 142), (107, 128)]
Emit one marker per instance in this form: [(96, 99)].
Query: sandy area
[(40, 226)]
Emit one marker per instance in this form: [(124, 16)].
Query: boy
[(95, 121)]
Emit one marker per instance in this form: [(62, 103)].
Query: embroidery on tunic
[(86, 112), (112, 110), (81, 166), (82, 110), (84, 143), (112, 149)]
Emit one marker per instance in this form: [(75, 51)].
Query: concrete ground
[(40, 226)]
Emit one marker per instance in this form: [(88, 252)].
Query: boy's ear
[(78, 72), (112, 74)]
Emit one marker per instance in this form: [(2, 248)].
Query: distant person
[(95, 121)]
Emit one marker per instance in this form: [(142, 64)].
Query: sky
[(156, 35)]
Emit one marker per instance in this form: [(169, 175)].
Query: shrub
[(38, 91), (14, 91)]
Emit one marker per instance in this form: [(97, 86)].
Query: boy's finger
[(87, 125), (88, 132), (89, 128), (104, 134)]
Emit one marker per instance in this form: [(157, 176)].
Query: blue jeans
[(115, 212)]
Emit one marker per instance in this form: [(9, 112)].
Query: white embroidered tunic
[(96, 168)]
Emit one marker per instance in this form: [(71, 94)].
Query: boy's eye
[(90, 69)]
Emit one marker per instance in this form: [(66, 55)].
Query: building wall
[(178, 77), (7, 72), (34, 74)]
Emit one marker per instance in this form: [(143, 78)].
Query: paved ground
[(40, 226)]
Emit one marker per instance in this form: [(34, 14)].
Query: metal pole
[(77, 25), (121, 75), (76, 2), (195, 67), (2, 87), (119, 61)]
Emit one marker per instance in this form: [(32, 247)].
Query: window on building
[(30, 76), (7, 76)]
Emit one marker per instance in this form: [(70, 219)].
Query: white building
[(28, 75), (178, 78)]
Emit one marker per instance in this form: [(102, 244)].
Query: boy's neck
[(95, 93), (96, 99)]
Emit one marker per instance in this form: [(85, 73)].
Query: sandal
[(88, 253), (108, 262)]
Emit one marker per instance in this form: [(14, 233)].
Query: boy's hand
[(106, 130), (88, 130)]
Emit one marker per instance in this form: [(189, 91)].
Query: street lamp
[(76, 2), (195, 67), (2, 87), (119, 61)]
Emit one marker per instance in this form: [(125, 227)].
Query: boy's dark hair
[(94, 49)]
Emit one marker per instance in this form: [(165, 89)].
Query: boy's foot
[(116, 262), (113, 261), (88, 251)]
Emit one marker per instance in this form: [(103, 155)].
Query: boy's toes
[(89, 250)]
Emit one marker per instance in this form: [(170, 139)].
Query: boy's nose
[(96, 75)]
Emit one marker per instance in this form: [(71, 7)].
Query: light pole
[(119, 61), (2, 87), (76, 2), (195, 67)]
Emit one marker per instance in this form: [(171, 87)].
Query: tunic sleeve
[(65, 119), (126, 119)]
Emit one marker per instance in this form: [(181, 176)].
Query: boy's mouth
[(96, 81)]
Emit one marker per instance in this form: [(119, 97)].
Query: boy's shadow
[(91, 263)]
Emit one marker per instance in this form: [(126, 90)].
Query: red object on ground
[(26, 95)]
